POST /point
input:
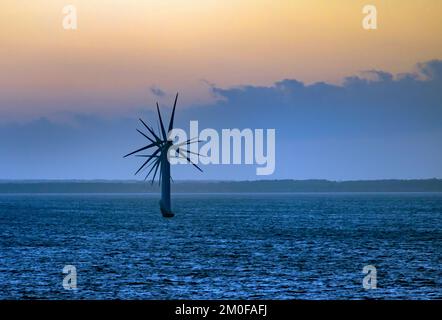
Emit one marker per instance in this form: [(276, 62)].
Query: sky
[(346, 103)]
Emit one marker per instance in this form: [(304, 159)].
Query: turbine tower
[(158, 159)]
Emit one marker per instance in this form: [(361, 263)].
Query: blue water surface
[(221, 246)]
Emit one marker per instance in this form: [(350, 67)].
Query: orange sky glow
[(124, 47)]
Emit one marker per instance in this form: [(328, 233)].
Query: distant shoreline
[(260, 186)]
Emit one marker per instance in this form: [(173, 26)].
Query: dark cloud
[(371, 104), (432, 70), (157, 92), (374, 125)]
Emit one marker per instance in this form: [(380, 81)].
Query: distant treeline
[(428, 185)]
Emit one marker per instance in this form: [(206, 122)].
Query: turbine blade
[(146, 155), (158, 128), (156, 137), (156, 169), (155, 164), (188, 159), (173, 114), (195, 153), (146, 136), (141, 149), (188, 142), (197, 141), (147, 161), (150, 163), (163, 131), (151, 131)]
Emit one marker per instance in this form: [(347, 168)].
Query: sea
[(221, 246)]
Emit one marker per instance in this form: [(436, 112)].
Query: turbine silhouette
[(158, 159)]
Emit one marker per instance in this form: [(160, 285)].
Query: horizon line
[(217, 180)]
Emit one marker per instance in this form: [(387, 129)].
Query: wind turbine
[(158, 159)]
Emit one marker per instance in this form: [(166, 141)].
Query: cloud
[(157, 92), (431, 69), (374, 125), (372, 104)]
